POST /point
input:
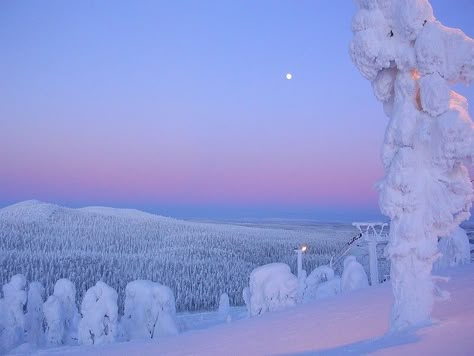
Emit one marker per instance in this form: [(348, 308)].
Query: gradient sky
[(182, 107)]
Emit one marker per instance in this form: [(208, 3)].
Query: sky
[(182, 107)]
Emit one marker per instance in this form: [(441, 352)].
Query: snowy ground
[(353, 323)]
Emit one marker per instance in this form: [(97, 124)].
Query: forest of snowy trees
[(46, 242)]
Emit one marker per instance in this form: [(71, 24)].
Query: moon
[(289, 76)]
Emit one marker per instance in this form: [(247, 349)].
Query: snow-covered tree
[(354, 276), (54, 321), (12, 319), (329, 288), (224, 306), (61, 314), (455, 250), (149, 310), (321, 283), (34, 314), (99, 315), (272, 287), (411, 59)]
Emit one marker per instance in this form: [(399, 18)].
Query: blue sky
[(182, 107)]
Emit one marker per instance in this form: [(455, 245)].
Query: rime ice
[(12, 319), (411, 59), (61, 314), (149, 310), (272, 287), (99, 315), (455, 250), (353, 276), (321, 283)]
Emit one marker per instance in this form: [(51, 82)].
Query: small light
[(304, 248), (289, 76)]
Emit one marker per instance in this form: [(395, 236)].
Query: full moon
[(289, 76)]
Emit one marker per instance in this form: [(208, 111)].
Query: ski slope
[(352, 323)]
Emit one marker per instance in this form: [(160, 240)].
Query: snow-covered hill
[(353, 323), (198, 261)]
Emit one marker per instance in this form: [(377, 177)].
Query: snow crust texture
[(411, 59)]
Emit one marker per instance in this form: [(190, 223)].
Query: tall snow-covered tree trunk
[(411, 58)]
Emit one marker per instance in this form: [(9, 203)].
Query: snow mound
[(272, 287)]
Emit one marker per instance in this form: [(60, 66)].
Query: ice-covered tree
[(12, 318), (411, 60), (321, 283), (34, 314), (272, 287), (61, 314), (224, 306), (353, 276), (99, 315), (149, 310), (54, 321), (455, 250)]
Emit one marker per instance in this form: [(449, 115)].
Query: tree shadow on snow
[(367, 346)]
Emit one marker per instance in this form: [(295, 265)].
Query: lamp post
[(301, 274), (299, 253)]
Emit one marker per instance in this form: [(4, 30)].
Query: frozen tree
[(272, 287), (149, 310), (224, 306), (61, 315), (411, 59), (329, 288), (317, 286), (54, 321), (65, 290), (12, 319), (353, 276), (34, 314), (455, 250), (99, 315)]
